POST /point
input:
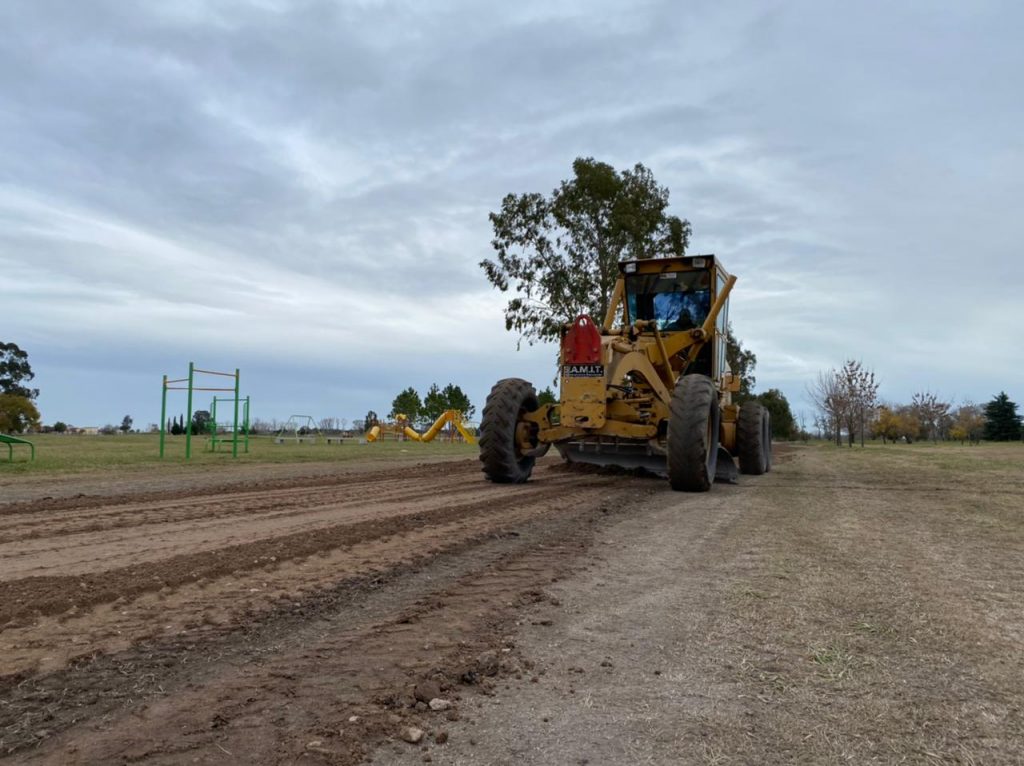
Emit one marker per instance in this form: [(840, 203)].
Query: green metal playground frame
[(10, 441), (215, 440), (170, 385)]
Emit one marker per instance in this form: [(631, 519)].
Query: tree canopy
[(14, 371), (783, 423), (370, 420), (17, 414), (1002, 423), (451, 397), (846, 398), (559, 254), (407, 403), (547, 396), (742, 362)]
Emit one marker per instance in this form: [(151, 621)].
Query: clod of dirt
[(421, 707), (441, 737), (412, 735), (487, 664), (426, 691), (440, 704)]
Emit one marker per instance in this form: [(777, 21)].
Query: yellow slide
[(448, 416)]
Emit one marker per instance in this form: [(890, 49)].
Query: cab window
[(673, 300)]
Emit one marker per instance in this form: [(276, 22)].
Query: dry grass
[(882, 623)]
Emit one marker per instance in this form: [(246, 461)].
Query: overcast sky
[(301, 189)]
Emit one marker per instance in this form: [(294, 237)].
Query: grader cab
[(648, 388)]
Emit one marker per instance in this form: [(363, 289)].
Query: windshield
[(673, 300)]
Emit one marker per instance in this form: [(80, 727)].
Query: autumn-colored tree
[(17, 414), (885, 427), (968, 424), (896, 423)]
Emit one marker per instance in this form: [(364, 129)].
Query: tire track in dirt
[(53, 594), (213, 525), (93, 517), (45, 644), (264, 689), (272, 514), (343, 475)]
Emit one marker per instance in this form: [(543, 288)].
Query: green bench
[(10, 441)]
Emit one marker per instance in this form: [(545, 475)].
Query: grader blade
[(725, 469), (631, 455), (628, 455)]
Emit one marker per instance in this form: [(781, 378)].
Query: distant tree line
[(847, 405)]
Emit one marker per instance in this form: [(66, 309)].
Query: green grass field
[(951, 457), (64, 453)]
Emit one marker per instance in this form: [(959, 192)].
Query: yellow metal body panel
[(584, 401), (640, 366)]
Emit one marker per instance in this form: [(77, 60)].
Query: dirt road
[(823, 613)]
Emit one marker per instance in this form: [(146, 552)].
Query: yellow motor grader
[(649, 388)]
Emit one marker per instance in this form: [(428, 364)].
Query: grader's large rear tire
[(503, 458), (754, 439), (693, 434)]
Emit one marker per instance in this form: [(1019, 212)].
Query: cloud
[(302, 188)]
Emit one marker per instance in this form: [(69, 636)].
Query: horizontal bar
[(179, 380), (197, 388), (213, 372)]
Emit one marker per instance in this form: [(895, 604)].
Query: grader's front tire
[(693, 434), (503, 458), (754, 439)]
